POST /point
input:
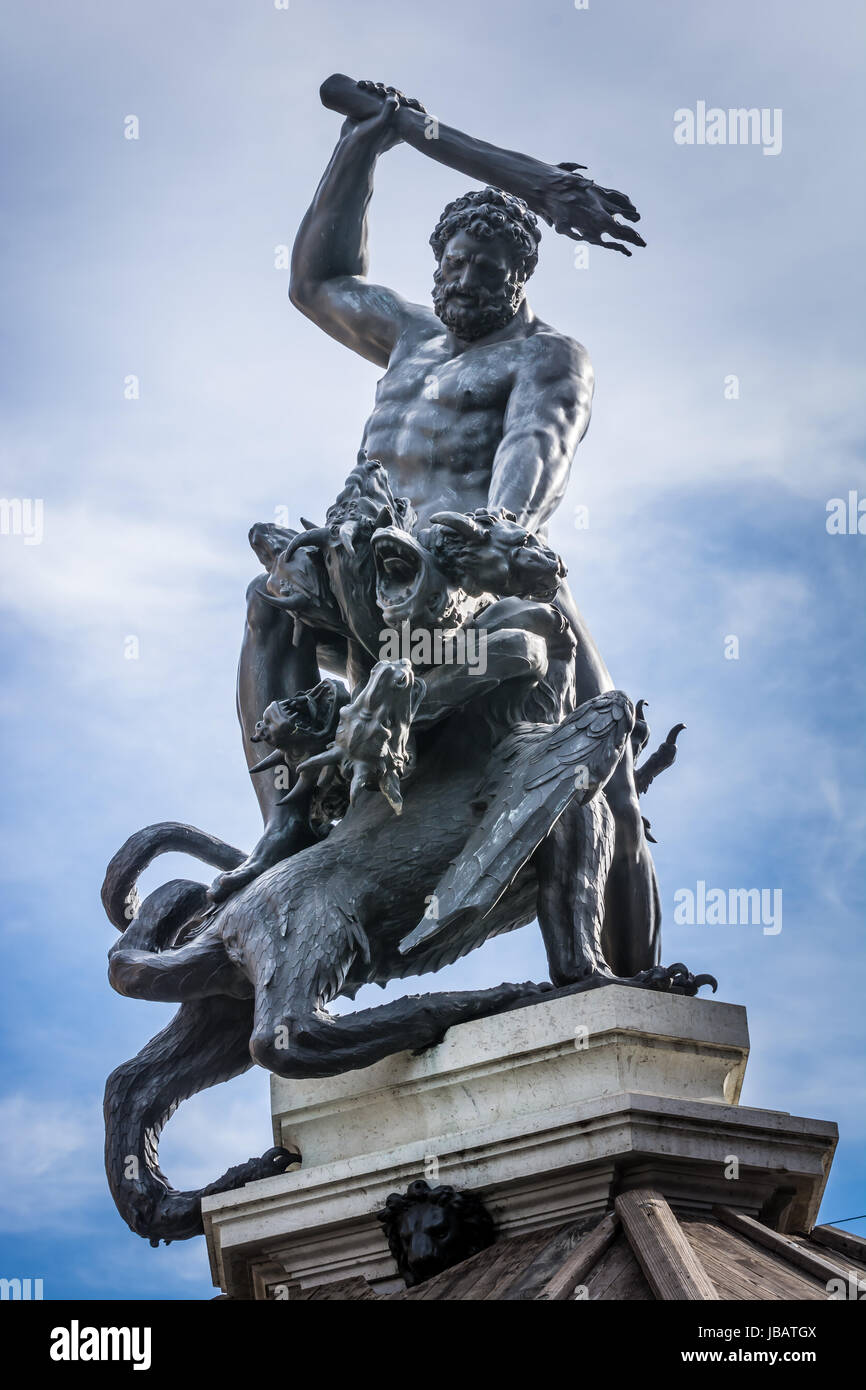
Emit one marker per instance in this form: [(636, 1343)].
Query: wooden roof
[(641, 1250)]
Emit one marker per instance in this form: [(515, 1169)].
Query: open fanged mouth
[(399, 572), (311, 713)]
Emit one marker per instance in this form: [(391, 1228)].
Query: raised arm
[(546, 417), (330, 258), (571, 203)]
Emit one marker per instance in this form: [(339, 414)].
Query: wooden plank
[(353, 1289), (496, 1281), (845, 1242), (473, 1278), (739, 1280), (742, 1270), (578, 1266), (603, 1279), (631, 1286), (844, 1264), (737, 1269), (548, 1261), (440, 1285), (672, 1269), (809, 1260), (617, 1276)]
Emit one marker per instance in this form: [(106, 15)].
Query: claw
[(641, 731), (680, 977), (676, 978), (663, 758)]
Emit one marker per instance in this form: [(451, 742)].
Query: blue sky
[(707, 515)]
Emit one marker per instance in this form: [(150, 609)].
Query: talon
[(676, 978)]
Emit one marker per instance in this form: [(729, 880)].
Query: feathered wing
[(537, 772)]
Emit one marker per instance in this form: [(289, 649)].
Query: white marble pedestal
[(549, 1112)]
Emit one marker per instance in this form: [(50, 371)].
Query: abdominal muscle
[(440, 459), (457, 478), (437, 424)]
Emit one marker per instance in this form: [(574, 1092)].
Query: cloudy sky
[(707, 503)]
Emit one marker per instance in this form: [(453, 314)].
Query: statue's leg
[(572, 864), (198, 970), (632, 923), (631, 938), (313, 1044), (300, 952), (206, 1042), (273, 666), (302, 1042), (168, 954)]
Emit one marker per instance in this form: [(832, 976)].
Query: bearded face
[(477, 287)]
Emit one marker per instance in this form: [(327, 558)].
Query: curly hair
[(488, 213)]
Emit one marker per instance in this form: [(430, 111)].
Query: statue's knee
[(265, 623), (275, 1047), (117, 971), (258, 607), (263, 1048), (125, 974)]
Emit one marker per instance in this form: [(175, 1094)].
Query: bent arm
[(546, 417), (571, 203), (330, 258)]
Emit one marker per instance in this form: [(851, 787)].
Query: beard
[(477, 312)]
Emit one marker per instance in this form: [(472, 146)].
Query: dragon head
[(305, 723), (489, 552), (371, 741)]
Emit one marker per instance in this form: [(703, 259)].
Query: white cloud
[(47, 1169)]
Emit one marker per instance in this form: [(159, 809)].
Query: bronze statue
[(487, 413), (476, 769)]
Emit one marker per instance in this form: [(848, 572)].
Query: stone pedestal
[(549, 1112)]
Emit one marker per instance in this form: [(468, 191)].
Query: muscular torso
[(438, 417)]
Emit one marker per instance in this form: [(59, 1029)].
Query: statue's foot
[(670, 979), (279, 842), (177, 1215)]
